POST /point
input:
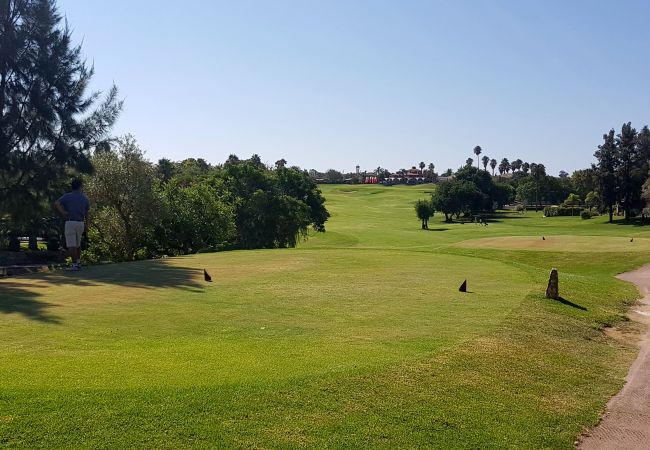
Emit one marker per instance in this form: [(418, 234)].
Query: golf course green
[(357, 338)]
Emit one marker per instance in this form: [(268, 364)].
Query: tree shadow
[(571, 304), (636, 222), (494, 217), (21, 295), (436, 229), (502, 216), (25, 303)]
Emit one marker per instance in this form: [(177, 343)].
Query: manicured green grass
[(573, 244), (358, 338)]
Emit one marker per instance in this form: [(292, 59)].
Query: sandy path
[(626, 424)]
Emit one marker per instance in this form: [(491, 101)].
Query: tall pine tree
[(630, 178), (606, 169), (48, 122)]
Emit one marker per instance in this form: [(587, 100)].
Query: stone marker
[(553, 289), (463, 287)]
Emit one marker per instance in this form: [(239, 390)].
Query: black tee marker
[(463, 287), (206, 276)]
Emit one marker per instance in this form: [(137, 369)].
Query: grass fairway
[(575, 244), (358, 338)]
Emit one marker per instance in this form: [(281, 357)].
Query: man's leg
[(74, 254), (80, 233), (73, 241)]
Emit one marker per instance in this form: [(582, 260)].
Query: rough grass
[(358, 338)]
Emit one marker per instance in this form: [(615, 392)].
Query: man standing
[(74, 206)]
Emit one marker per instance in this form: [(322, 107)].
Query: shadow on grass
[(21, 295), (17, 301), (636, 222), (437, 229), (498, 217), (494, 217), (571, 304)]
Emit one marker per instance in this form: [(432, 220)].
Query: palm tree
[(486, 161), (525, 167), (477, 151), (493, 165), (516, 164), (431, 169), (538, 172), (506, 165), (422, 165), (469, 161)]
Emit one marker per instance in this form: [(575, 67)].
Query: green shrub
[(555, 211), (584, 215)]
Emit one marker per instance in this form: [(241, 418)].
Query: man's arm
[(59, 207)]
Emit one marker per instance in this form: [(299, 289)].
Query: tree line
[(473, 191), (618, 183), (621, 172), (141, 209)]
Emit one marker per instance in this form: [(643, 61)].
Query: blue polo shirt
[(76, 205)]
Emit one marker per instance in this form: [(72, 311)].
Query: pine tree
[(48, 123), (628, 161), (606, 170)]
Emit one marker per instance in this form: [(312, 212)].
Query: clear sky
[(336, 83)]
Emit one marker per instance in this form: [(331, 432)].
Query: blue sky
[(332, 84)]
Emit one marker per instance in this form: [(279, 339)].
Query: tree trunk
[(14, 244), (33, 243), (611, 213)]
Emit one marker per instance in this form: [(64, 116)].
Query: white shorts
[(73, 233)]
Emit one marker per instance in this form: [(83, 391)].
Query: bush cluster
[(471, 191), (556, 211), (141, 210)]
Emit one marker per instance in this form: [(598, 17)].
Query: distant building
[(411, 176), (414, 174)]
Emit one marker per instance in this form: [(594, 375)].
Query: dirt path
[(626, 424)]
